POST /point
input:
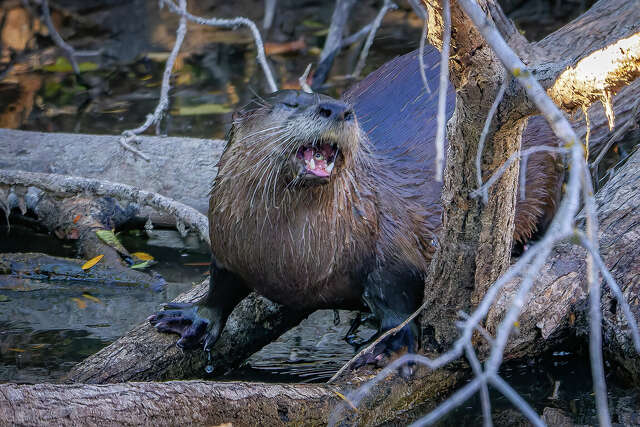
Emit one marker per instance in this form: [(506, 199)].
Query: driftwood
[(170, 403), (180, 168), (213, 403)]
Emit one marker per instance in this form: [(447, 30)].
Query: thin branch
[(232, 23), (498, 173), (303, 80), (129, 136), (339, 19), (615, 288), (444, 84), (269, 12), (595, 313), (57, 39), (483, 136), (63, 184), (388, 5), (423, 75), (484, 390)]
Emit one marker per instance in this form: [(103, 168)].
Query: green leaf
[(4, 298), (110, 239), (142, 265), (63, 65)]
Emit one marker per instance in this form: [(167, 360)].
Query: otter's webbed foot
[(201, 323), (380, 354), (182, 319)]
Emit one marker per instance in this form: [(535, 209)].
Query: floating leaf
[(92, 298), (143, 256), (142, 265), (17, 350), (82, 304), (37, 346), (312, 24), (93, 261), (202, 109), (110, 239), (197, 264), (63, 65), (4, 298)]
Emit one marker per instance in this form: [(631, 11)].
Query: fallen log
[(170, 171)]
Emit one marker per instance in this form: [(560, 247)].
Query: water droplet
[(209, 368)]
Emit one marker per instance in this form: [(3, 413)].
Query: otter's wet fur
[(362, 237)]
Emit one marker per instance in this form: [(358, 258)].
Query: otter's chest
[(298, 259)]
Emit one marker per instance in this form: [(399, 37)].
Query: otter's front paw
[(182, 319)]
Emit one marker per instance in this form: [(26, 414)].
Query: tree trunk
[(475, 242)]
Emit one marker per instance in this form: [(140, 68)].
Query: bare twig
[(423, 75), (232, 23), (63, 184), (269, 12), (595, 314), (57, 39), (388, 5), (442, 94), (303, 80), (339, 19), (129, 136)]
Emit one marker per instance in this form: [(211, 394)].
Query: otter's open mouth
[(316, 161)]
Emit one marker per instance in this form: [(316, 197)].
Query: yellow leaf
[(80, 303), (516, 324), (93, 261), (17, 350), (142, 256), (37, 346), (343, 397), (92, 298)]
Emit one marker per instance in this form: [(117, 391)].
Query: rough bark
[(471, 254), (557, 306), (163, 404), (147, 355), (212, 403)]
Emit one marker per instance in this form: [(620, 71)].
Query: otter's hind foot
[(383, 351), (181, 319)]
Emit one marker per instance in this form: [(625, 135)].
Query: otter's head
[(301, 138)]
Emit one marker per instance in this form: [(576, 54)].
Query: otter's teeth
[(330, 167), (312, 164)]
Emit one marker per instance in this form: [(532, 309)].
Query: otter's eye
[(319, 156), (290, 104)]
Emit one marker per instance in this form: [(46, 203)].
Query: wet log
[(147, 355), (161, 404)]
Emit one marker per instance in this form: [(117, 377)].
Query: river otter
[(324, 203)]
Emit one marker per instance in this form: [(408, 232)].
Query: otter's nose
[(336, 111)]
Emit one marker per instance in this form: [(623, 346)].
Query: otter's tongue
[(315, 160)]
